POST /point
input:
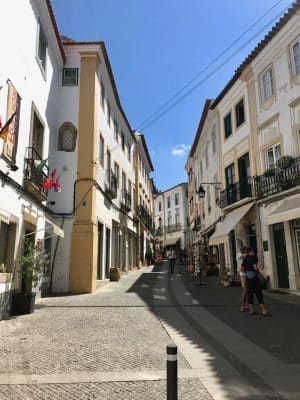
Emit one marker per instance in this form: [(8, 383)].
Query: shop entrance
[(281, 257)]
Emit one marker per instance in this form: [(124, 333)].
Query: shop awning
[(289, 209), (231, 220), (56, 229), (171, 241)]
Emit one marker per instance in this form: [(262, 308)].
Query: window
[(7, 244), (272, 156), (128, 151), (42, 48), (117, 173), (295, 57), (116, 130), (169, 218), (176, 199), (102, 95), (201, 170), (123, 182), (266, 85), (168, 202), (177, 217), (70, 77), (108, 161), (206, 156), (159, 206), (123, 141), (101, 150), (108, 113), (129, 187), (37, 136), (67, 136), (239, 113), (230, 175), (214, 139), (227, 125), (208, 199)]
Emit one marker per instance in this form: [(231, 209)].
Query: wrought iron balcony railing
[(173, 227), (145, 217), (236, 191), (36, 171), (126, 200), (111, 184), (277, 180)]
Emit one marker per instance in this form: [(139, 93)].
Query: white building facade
[(171, 217), (29, 85)]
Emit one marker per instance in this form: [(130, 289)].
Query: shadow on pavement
[(279, 336)]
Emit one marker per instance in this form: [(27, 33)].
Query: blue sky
[(156, 47)]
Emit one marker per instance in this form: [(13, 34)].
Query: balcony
[(236, 192), (126, 201), (145, 217), (173, 228), (111, 184), (278, 179), (35, 174)]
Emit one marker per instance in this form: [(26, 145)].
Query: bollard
[(171, 372)]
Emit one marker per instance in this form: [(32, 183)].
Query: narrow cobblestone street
[(112, 344)]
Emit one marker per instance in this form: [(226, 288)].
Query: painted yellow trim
[(83, 260)]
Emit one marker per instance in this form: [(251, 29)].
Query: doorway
[(100, 251), (233, 252), (244, 174), (281, 257), (107, 253)]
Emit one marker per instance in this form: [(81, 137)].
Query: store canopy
[(57, 231), (289, 209), (171, 241), (231, 220)]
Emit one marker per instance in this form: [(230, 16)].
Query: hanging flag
[(0, 122), (57, 185), (49, 182), (5, 130), (42, 164)]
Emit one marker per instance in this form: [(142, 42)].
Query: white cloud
[(180, 150)]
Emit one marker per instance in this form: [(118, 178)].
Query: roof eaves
[(54, 24), (258, 48), (205, 110)]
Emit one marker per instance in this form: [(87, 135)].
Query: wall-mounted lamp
[(201, 192), (12, 167)]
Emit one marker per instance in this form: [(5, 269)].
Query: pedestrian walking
[(244, 301), (250, 267), (172, 259)]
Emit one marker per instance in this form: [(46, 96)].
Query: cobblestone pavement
[(188, 389), (112, 330)]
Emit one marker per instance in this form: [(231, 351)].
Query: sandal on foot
[(267, 314)]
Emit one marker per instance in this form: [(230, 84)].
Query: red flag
[(49, 182), (57, 185)]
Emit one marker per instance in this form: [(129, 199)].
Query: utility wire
[(159, 112)]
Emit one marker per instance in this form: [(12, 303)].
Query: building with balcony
[(259, 119), (143, 197), (29, 87), (203, 168), (171, 217), (95, 149)]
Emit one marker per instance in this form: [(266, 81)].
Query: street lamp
[(201, 192)]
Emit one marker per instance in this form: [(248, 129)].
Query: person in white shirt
[(244, 303)]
